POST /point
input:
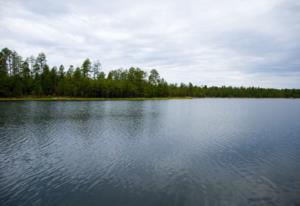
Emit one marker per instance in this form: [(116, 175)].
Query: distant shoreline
[(33, 79), (9, 99), (4, 99)]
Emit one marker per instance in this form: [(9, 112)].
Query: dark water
[(177, 152)]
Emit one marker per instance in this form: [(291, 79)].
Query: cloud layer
[(233, 42)]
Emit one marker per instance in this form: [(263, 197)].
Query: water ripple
[(196, 152)]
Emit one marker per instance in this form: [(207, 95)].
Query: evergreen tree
[(86, 68), (96, 69), (34, 77)]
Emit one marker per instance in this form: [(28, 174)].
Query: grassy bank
[(87, 99)]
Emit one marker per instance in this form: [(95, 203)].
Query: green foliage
[(33, 76), (86, 68)]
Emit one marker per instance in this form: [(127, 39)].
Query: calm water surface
[(177, 152)]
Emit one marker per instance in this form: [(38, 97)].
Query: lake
[(170, 152)]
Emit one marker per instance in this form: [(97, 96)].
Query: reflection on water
[(177, 152)]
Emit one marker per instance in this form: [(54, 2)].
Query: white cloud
[(229, 42)]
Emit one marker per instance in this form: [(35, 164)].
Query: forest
[(32, 76)]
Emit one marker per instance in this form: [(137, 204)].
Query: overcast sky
[(212, 42)]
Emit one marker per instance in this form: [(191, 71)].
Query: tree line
[(32, 76)]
